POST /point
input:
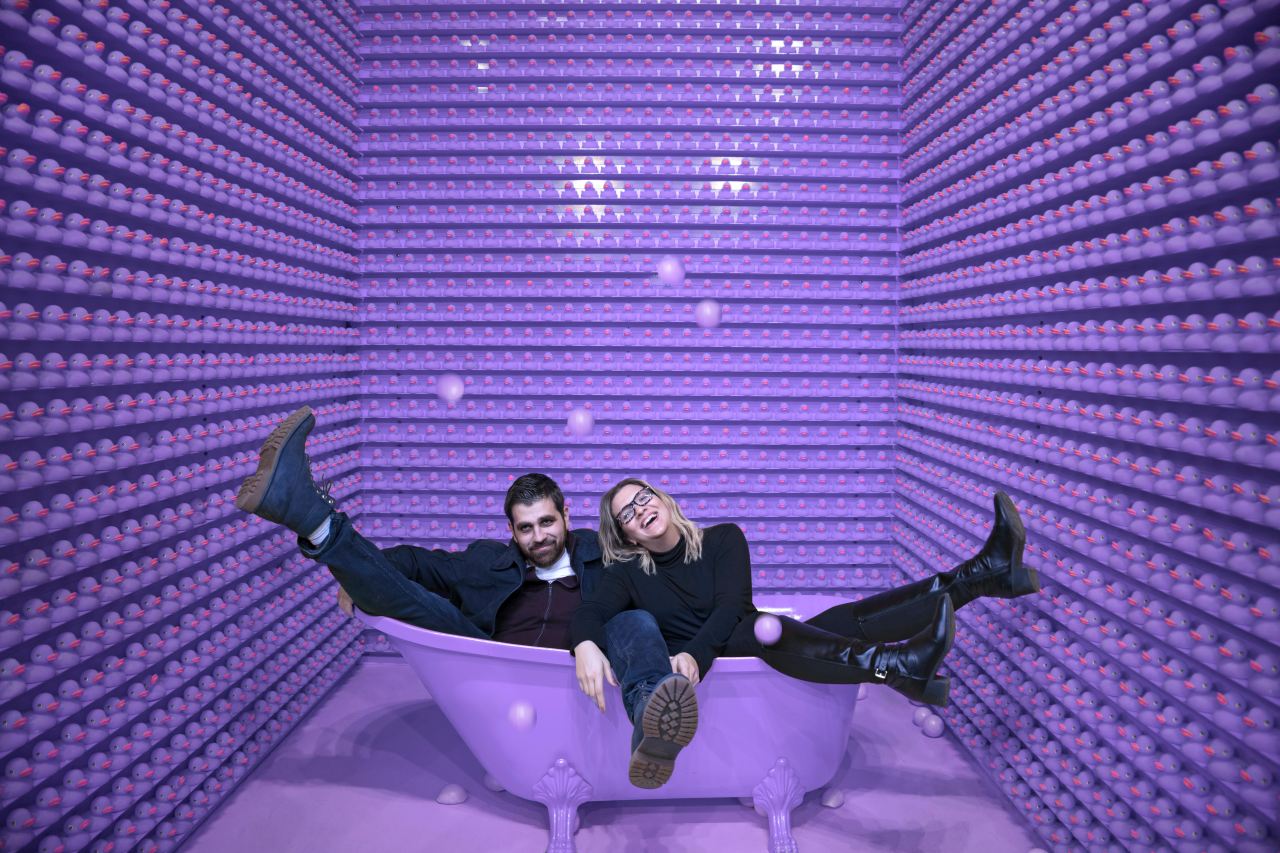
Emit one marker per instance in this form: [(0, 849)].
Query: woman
[(689, 593)]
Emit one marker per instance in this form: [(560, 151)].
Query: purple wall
[(955, 248), (523, 174), (177, 276), (1088, 321)]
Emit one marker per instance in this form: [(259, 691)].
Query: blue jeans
[(380, 584), (639, 656)]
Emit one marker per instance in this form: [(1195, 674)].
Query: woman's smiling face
[(644, 518)]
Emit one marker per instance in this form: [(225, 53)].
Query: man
[(523, 591)]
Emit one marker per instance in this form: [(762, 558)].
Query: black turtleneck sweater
[(697, 604)]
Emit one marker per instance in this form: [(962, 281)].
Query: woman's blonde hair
[(614, 543)]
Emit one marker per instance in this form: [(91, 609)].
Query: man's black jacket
[(479, 579)]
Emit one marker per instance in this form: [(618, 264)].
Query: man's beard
[(546, 557)]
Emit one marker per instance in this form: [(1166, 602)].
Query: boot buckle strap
[(881, 673)]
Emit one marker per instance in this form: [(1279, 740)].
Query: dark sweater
[(697, 605), (539, 612)]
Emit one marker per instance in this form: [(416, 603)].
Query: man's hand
[(684, 664), (345, 604), (593, 671)]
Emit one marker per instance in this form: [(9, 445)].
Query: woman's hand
[(593, 671), (684, 664)]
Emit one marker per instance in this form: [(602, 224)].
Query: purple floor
[(363, 770)]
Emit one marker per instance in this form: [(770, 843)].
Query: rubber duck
[(1260, 219), (125, 492), (48, 228), (55, 469), (121, 374), (1249, 446), (57, 413), (62, 606), (1261, 162), (123, 414), (42, 664), (1218, 435)]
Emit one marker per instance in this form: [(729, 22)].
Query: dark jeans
[(640, 659), (382, 582)]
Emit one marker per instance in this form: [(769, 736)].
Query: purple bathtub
[(761, 734)]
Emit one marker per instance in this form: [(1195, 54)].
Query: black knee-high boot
[(997, 569), (902, 612), (812, 654)]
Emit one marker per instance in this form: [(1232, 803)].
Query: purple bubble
[(707, 313), (670, 270), (581, 422), (768, 629), (450, 388), (933, 726)]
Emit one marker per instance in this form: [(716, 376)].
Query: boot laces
[(325, 490)]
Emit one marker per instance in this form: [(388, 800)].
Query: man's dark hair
[(531, 488)]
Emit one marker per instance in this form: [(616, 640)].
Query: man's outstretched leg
[(282, 491), (996, 571)]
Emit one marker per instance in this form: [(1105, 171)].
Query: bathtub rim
[(511, 652)]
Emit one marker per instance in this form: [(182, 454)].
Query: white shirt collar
[(561, 568)]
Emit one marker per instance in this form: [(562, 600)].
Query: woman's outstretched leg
[(902, 612), (810, 653), (895, 614)]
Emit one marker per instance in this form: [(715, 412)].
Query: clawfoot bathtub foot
[(561, 790), (777, 794)]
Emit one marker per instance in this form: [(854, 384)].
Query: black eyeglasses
[(628, 512)]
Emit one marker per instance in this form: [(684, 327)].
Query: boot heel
[(1026, 582), (936, 691)]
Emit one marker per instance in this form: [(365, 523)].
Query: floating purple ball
[(768, 629), (581, 422), (920, 715), (450, 388), (707, 313), (932, 726), (522, 716), (670, 270)]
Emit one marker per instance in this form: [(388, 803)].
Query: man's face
[(540, 531)]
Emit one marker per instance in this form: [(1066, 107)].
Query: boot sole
[(1022, 580), (669, 722), (254, 489)]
